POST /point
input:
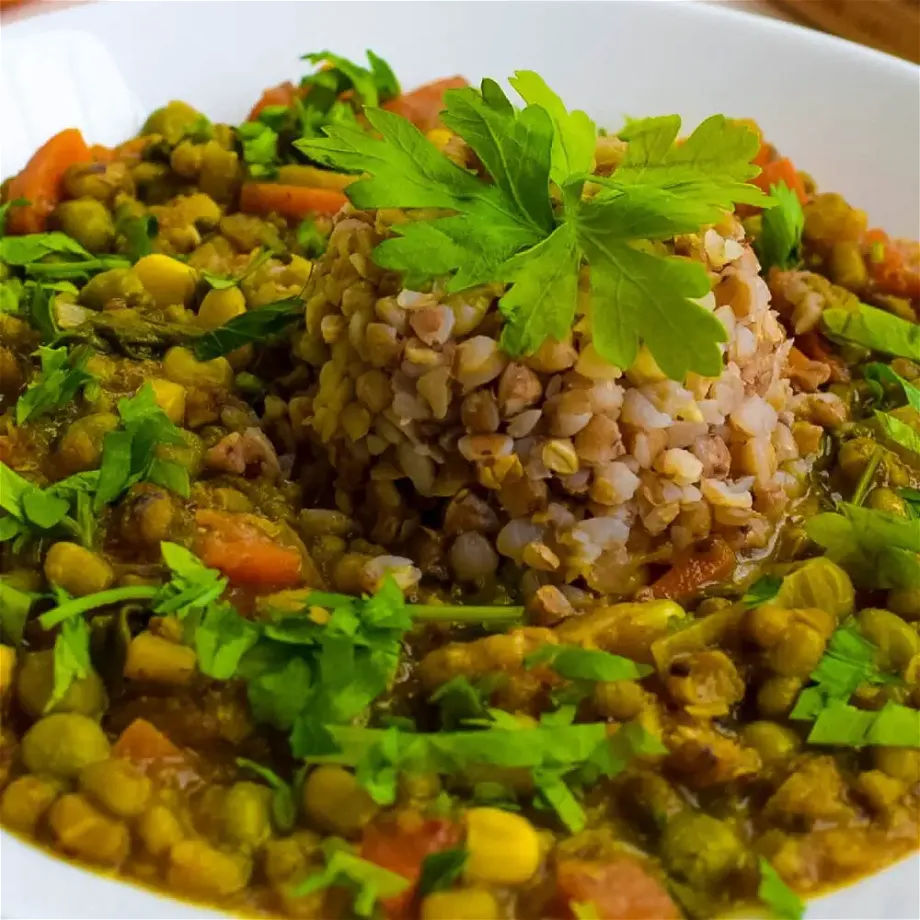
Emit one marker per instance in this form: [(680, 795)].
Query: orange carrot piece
[(423, 106), (813, 345), (244, 553), (619, 889), (401, 846), (893, 264), (291, 201), (100, 154), (39, 183), (694, 570), (144, 744), (282, 94), (781, 170)]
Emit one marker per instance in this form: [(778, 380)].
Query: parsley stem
[(463, 613), (75, 269), (867, 477), (80, 605)]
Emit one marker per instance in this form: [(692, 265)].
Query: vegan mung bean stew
[(428, 505)]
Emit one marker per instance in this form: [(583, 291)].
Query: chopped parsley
[(63, 374), (284, 811), (31, 252), (130, 453), (894, 431), (15, 606), (883, 375), (368, 881), (309, 238), (774, 893), (874, 329), (848, 663), (507, 229), (764, 590), (878, 549), (440, 870), (780, 241), (139, 233), (71, 658), (260, 149), (576, 663), (842, 725), (252, 326)]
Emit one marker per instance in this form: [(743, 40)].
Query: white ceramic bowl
[(848, 115)]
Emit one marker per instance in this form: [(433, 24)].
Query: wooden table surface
[(892, 26)]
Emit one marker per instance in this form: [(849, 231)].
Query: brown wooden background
[(889, 25), (892, 26)]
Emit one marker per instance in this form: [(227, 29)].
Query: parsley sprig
[(130, 454), (849, 663), (63, 374), (878, 549), (507, 229)]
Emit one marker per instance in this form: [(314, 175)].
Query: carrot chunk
[(144, 744), (694, 570), (291, 201), (423, 106), (39, 183)]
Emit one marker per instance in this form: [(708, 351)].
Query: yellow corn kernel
[(159, 661), (170, 397), (168, 281), (469, 903), (219, 307), (181, 366), (7, 667), (439, 137), (504, 848), (645, 369)]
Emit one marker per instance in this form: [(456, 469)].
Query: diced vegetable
[(781, 170), (282, 94), (39, 183), (694, 570), (291, 201), (246, 554), (145, 745), (423, 106)]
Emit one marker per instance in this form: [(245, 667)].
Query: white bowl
[(848, 115)]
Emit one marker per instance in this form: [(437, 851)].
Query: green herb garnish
[(62, 376), (783, 902), (71, 658), (367, 880), (253, 326), (129, 454), (882, 374), (260, 149), (842, 725), (878, 549), (874, 329), (762, 591), (15, 606), (441, 870), (780, 240), (507, 230), (284, 811), (848, 663), (576, 663), (139, 233), (30, 252), (309, 238)]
